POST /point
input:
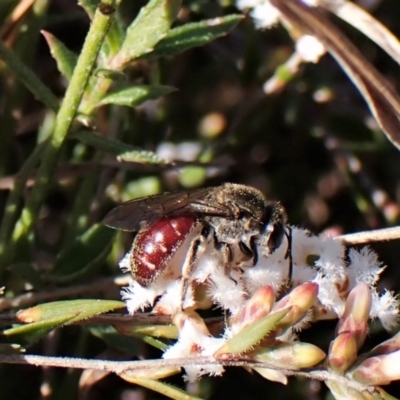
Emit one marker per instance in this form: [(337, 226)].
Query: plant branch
[(378, 235), (64, 119), (12, 205), (120, 367)]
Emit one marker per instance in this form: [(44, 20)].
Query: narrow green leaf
[(194, 34), (150, 26), (251, 335), (28, 78), (162, 331), (46, 317), (157, 343), (84, 251), (109, 74), (65, 117), (141, 156), (149, 334), (71, 310), (102, 143), (124, 151), (89, 6), (65, 58), (136, 95), (128, 345), (31, 333), (160, 387)]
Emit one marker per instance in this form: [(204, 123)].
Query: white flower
[(310, 48), (265, 15), (138, 297), (227, 291), (364, 266), (193, 342), (386, 308), (318, 259)]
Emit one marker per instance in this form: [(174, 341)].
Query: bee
[(234, 218)]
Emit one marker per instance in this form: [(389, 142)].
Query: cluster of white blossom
[(317, 261)]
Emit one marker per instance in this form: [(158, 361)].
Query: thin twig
[(378, 235), (120, 367)]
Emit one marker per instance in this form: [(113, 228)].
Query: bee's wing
[(129, 215)]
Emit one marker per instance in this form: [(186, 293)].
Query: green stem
[(78, 219), (98, 30), (28, 78), (14, 88), (12, 205)]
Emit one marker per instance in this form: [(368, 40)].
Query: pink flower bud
[(379, 370), (257, 307), (179, 319), (342, 352), (300, 299), (389, 346), (355, 317)]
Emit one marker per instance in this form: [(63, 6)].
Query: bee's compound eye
[(274, 239)]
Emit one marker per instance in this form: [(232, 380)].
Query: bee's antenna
[(288, 255)]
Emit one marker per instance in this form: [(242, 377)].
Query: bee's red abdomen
[(154, 246)]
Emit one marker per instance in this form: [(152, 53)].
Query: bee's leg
[(249, 253), (225, 252), (195, 251), (289, 255)]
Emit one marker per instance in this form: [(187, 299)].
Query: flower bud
[(131, 329), (290, 355), (342, 352), (355, 317), (179, 319), (389, 346), (341, 391), (300, 299), (379, 370), (256, 308), (149, 373), (272, 375), (201, 296)]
